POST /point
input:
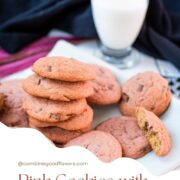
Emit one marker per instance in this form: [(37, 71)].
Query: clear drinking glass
[(118, 23)]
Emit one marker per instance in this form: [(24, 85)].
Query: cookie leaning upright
[(64, 69), (149, 90), (155, 131)]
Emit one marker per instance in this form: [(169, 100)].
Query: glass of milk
[(118, 23)]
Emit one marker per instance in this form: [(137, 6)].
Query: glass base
[(124, 58)]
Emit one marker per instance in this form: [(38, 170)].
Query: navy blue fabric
[(160, 35), (22, 22)]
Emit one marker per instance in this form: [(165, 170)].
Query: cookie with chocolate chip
[(12, 113), (102, 144), (155, 131), (53, 111), (130, 136), (57, 90), (59, 135), (107, 89), (75, 123), (64, 69), (149, 90)]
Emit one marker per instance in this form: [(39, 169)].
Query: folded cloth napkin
[(25, 21), (10, 64)]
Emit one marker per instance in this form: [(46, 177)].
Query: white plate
[(156, 165)]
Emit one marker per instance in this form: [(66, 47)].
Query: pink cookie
[(107, 89), (102, 144), (12, 113), (130, 136), (148, 90), (155, 131)]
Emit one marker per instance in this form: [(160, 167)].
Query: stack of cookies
[(56, 104)]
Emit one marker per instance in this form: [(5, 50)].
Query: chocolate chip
[(125, 97), (150, 128), (87, 146), (39, 82), (146, 149), (38, 110), (96, 90), (140, 87), (110, 86), (146, 126), (152, 108), (54, 116), (50, 68)]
